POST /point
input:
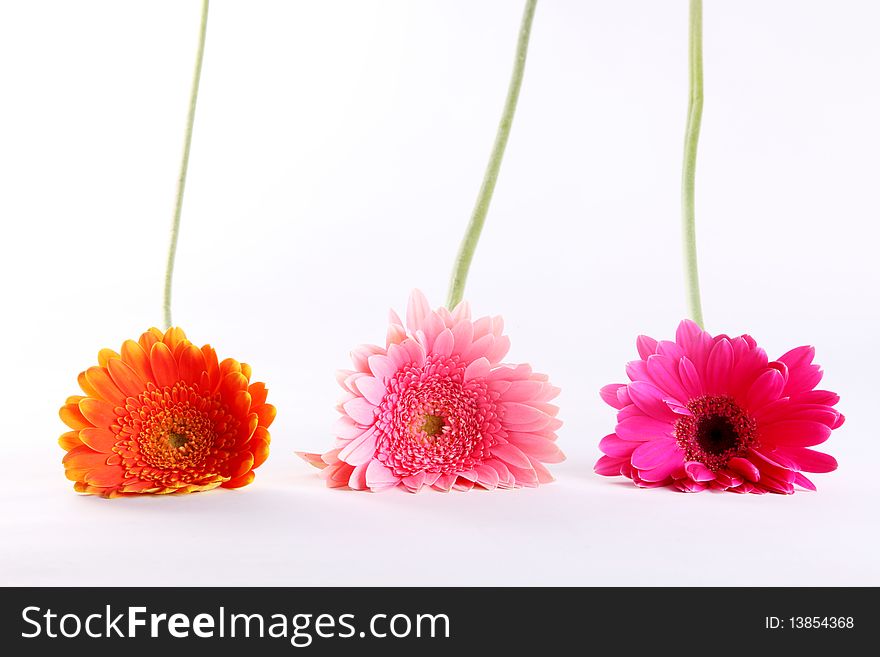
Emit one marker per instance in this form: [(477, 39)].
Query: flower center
[(432, 420), (177, 440), (433, 424), (717, 431)]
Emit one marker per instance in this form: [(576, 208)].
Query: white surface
[(338, 149)]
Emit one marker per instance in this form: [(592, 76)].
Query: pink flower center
[(717, 431), (432, 420)]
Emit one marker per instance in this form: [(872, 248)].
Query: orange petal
[(191, 364), (246, 430), (244, 480), (100, 380), (69, 440), (126, 379), (149, 338), (98, 412), (78, 461), (105, 355), (212, 367), (266, 413), (241, 403), (100, 440), (232, 383), (244, 466), (246, 370), (108, 476), (260, 450), (164, 367), (73, 417), (258, 393), (86, 386), (136, 358), (229, 365), (173, 337)]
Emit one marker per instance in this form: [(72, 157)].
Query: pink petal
[(537, 447), (520, 391), (372, 389), (523, 417), (360, 410), (479, 369), (416, 310), (379, 477), (361, 449), (358, 478), (463, 333), (382, 367), (444, 343), (512, 455), (414, 482), (487, 477)]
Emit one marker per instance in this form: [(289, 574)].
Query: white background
[(337, 153)]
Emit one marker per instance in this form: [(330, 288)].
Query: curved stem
[(691, 138), (478, 217), (184, 164)]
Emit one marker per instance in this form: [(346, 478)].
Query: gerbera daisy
[(163, 416), (713, 412), (437, 407)]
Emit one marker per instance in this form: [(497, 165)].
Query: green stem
[(184, 164), (691, 138), (478, 218)]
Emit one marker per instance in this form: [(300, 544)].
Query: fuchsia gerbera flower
[(437, 407), (712, 412)]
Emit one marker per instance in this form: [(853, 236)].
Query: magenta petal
[(641, 428), (745, 468), (649, 399), (651, 454), (609, 395), (646, 346), (719, 367), (765, 389), (611, 445), (803, 482), (809, 460), (795, 433), (698, 472), (608, 466)]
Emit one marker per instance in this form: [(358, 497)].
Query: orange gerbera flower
[(164, 417)]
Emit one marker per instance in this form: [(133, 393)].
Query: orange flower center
[(177, 434)]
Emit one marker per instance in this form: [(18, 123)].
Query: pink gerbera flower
[(437, 407), (712, 412)]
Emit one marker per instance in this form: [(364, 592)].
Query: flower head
[(713, 412), (437, 407), (164, 416)]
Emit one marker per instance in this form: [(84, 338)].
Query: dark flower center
[(716, 431), (433, 424), (177, 440), (716, 434)]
